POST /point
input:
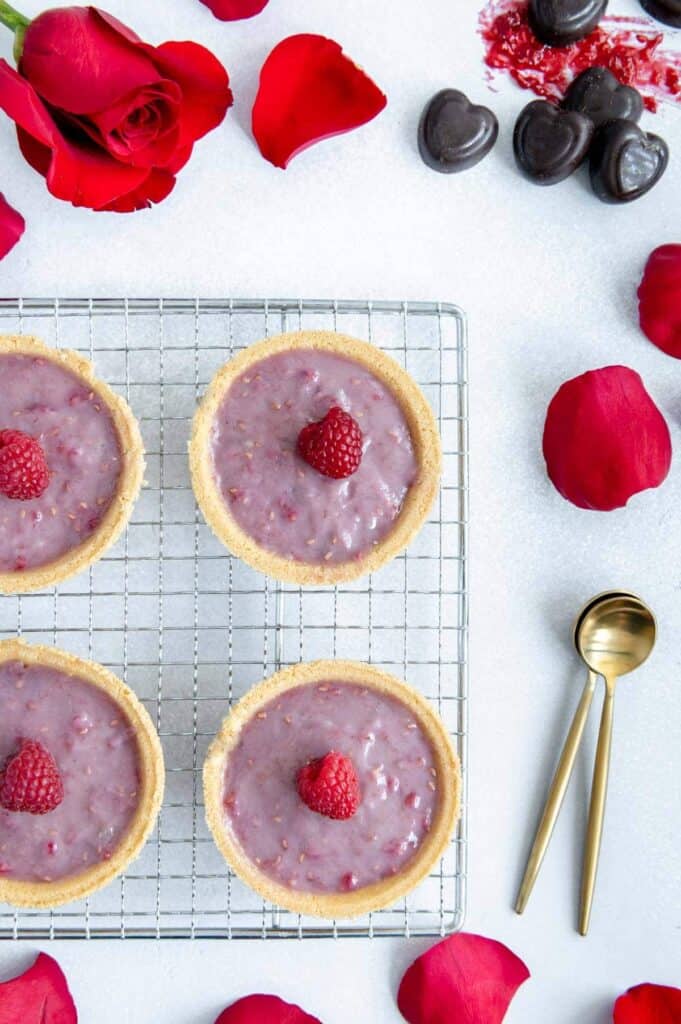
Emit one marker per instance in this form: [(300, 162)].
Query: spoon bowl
[(615, 634), (605, 595)]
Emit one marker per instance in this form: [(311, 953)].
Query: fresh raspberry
[(333, 446), (329, 786), (23, 469), (30, 780)]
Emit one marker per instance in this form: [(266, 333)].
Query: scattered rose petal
[(235, 10), (38, 996), (12, 226), (309, 90), (264, 1010), (466, 979), (648, 1004), (659, 299), (605, 439)]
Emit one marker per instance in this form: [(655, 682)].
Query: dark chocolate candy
[(550, 143), (561, 22), (454, 134), (602, 97), (666, 11), (626, 162)]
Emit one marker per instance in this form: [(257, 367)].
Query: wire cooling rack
[(190, 628)]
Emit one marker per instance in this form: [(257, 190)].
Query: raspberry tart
[(71, 465), (332, 789), (315, 457), (81, 776)]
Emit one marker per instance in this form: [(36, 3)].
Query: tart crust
[(372, 897), (417, 504), (129, 482), (44, 895)]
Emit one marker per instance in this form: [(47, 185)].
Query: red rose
[(108, 119)]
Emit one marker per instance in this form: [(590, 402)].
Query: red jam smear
[(629, 47)]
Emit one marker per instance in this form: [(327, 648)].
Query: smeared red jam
[(632, 48)]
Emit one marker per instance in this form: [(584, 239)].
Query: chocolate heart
[(454, 134), (550, 143), (600, 96), (561, 22), (667, 11), (626, 162)]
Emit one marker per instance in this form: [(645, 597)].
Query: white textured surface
[(548, 278)]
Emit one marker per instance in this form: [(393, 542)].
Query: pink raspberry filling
[(96, 751), (395, 767), (275, 496), (78, 436)]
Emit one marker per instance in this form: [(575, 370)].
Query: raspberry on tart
[(23, 469), (315, 457), (332, 831), (77, 804), (71, 465), (329, 786), (30, 781), (333, 446)]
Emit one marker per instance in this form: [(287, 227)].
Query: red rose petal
[(659, 299), (309, 90), (605, 439), (467, 979), (38, 996), (109, 65), (157, 186), (648, 1004), (204, 82), (235, 10), (12, 226), (79, 173), (261, 1009)]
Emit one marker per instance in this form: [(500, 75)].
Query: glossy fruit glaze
[(96, 752), (395, 766)]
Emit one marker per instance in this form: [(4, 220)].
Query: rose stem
[(17, 23)]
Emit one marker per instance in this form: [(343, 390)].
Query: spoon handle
[(599, 791), (556, 794)]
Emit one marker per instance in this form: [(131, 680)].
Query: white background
[(548, 277)]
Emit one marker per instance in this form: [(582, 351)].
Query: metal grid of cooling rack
[(191, 629)]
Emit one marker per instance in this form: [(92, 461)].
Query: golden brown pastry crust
[(372, 897), (129, 482), (152, 779), (419, 499)]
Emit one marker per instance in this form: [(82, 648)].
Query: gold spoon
[(561, 778), (615, 637)]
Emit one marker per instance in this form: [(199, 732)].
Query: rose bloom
[(107, 119)]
